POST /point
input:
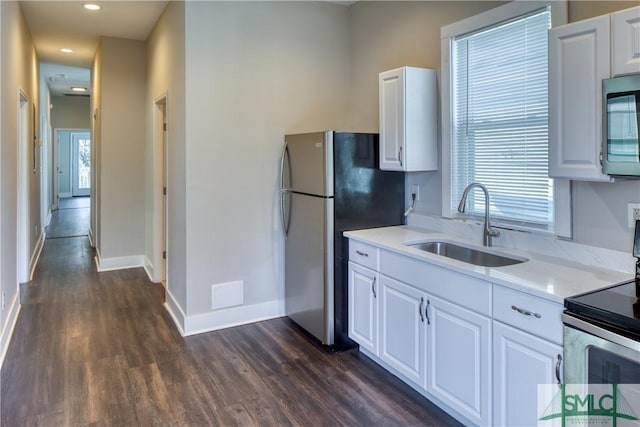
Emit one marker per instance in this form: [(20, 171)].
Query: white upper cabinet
[(579, 58), (625, 33), (408, 120)]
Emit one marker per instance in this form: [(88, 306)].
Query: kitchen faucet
[(488, 232)]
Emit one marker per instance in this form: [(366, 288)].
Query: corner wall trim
[(148, 268), (118, 263), (235, 316), (91, 241), (35, 256), (176, 313), (9, 326)]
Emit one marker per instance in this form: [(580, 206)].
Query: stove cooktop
[(616, 308)]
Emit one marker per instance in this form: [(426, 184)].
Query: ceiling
[(66, 24)]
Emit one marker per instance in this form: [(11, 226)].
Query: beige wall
[(254, 72), (121, 146), (71, 112), (579, 10), (387, 35), (165, 77), (19, 71)]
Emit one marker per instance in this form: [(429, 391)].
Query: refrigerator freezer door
[(309, 163), (309, 266)]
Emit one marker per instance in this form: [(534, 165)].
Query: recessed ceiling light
[(92, 6), (66, 50), (78, 89)]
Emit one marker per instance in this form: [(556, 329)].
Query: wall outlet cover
[(633, 214)]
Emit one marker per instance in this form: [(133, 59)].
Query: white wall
[(254, 72), (46, 151), (166, 76), (387, 35)]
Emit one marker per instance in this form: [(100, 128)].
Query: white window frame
[(509, 11)]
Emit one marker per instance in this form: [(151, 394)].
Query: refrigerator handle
[(283, 191)]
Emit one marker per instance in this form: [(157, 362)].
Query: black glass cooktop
[(616, 308)]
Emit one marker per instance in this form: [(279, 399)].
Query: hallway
[(71, 219), (100, 349)]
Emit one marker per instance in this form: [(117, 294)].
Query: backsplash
[(471, 230)]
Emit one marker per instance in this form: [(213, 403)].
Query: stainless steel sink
[(467, 254)]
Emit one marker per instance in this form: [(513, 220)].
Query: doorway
[(80, 164), (160, 146), (23, 189), (72, 164)]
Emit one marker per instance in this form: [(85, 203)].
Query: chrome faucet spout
[(488, 232)]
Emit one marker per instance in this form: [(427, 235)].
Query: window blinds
[(500, 119)]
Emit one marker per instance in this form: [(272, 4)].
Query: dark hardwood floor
[(95, 349), (71, 219)]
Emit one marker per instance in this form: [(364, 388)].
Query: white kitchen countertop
[(550, 278)]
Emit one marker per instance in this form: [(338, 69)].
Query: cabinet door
[(402, 328), (578, 61), (521, 362), (363, 307), (392, 116), (626, 41), (458, 359)]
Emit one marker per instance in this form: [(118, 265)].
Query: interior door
[(81, 164)]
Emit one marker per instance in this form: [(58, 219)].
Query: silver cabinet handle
[(558, 363), (426, 312), (373, 287), (420, 309), (400, 156), (362, 253), (525, 312)]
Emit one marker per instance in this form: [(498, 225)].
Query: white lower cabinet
[(363, 307), (402, 328), (521, 361), (447, 335), (459, 359)]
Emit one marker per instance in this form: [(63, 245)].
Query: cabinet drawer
[(528, 313), (467, 291), (363, 254)]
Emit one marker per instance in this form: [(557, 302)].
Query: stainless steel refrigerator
[(330, 182)]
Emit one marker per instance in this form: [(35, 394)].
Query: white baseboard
[(235, 316), (221, 319), (118, 263), (9, 326), (176, 313), (148, 268), (35, 256)]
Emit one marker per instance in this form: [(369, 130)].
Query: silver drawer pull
[(525, 312), (362, 253)]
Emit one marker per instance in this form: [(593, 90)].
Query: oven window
[(605, 367)]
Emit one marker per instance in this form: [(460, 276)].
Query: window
[(498, 117)]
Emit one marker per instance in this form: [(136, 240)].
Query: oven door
[(593, 355)]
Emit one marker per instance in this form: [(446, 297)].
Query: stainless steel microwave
[(620, 125)]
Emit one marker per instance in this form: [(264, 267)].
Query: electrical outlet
[(633, 214), (415, 189)]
